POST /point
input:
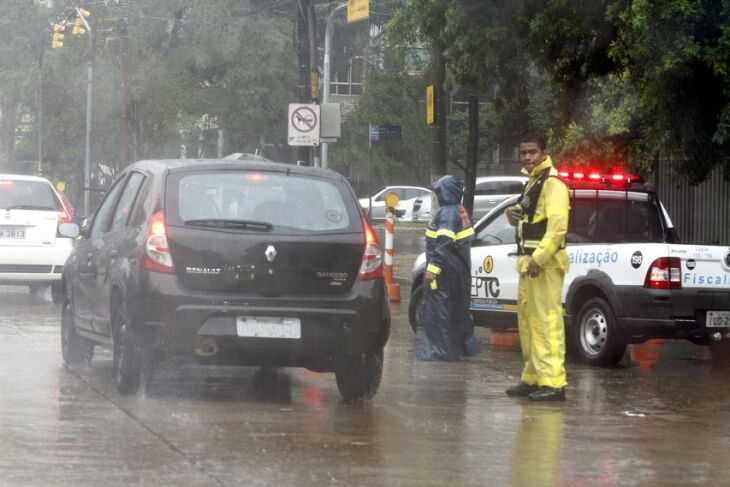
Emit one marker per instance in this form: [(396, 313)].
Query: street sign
[(357, 10), (303, 124), (385, 132), (429, 105)]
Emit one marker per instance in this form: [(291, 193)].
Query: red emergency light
[(593, 177)]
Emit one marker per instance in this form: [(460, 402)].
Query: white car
[(408, 196), (490, 191), (31, 252)]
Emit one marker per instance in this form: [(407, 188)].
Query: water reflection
[(537, 449)]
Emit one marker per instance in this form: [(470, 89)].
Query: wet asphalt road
[(661, 419)]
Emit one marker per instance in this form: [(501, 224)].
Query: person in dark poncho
[(445, 330)]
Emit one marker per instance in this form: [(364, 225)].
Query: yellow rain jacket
[(539, 300)]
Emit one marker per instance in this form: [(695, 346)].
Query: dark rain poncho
[(445, 330)]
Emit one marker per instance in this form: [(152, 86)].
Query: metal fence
[(700, 213)]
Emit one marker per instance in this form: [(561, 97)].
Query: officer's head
[(533, 150)]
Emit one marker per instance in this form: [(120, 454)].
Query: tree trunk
[(8, 115)]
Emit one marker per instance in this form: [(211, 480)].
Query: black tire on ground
[(413, 305), (56, 292), (127, 363), (358, 376), (720, 352), (597, 339), (75, 349)]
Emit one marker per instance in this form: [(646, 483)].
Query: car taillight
[(372, 259), (664, 273), (63, 216), (157, 255)]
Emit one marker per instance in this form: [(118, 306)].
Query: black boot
[(548, 394), (521, 389)]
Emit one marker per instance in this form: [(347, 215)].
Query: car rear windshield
[(603, 220), (27, 195), (286, 202)]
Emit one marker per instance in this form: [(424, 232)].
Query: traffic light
[(80, 25), (78, 28), (58, 30)]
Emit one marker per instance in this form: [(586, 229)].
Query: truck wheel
[(413, 305), (127, 355), (598, 340), (75, 349), (358, 375)]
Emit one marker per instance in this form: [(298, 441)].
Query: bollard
[(393, 287)]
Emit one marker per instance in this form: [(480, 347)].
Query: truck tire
[(597, 339), (413, 305)]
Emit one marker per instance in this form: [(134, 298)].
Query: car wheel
[(75, 349), (358, 375), (413, 305), (56, 292), (720, 352), (598, 340), (127, 363)]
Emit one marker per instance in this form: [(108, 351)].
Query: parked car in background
[(31, 252), (490, 191), (228, 262), (407, 195)]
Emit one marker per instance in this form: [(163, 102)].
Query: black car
[(222, 262)]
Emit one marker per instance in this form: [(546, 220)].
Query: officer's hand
[(514, 214), (533, 268), (430, 276)]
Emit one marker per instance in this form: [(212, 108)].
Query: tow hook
[(716, 337), (209, 347)]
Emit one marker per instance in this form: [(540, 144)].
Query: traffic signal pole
[(326, 68), (89, 104)]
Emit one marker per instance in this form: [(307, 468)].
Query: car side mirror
[(69, 230)]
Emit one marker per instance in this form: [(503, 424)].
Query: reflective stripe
[(430, 234), (532, 244), (465, 233), (445, 232), (434, 269), (433, 284)]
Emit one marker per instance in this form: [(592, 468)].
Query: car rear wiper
[(30, 207), (220, 222)]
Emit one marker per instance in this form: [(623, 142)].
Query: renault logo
[(270, 253)]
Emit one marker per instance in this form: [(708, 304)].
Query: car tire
[(416, 297), (75, 349), (127, 354), (598, 341), (720, 352), (56, 292), (358, 375)]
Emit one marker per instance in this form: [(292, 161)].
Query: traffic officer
[(541, 218), (445, 330)]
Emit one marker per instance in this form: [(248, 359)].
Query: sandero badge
[(221, 263)]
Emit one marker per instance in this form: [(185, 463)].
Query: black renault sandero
[(219, 262)]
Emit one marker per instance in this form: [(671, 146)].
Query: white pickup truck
[(630, 279)]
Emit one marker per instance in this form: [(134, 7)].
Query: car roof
[(24, 177), (183, 165), (483, 179)]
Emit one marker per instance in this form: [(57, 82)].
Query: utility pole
[(303, 55), (40, 104), (439, 149), (124, 122), (89, 101), (326, 75)]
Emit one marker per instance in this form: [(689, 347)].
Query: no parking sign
[(304, 124)]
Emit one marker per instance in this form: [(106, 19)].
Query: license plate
[(268, 327), (12, 232), (718, 319)]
